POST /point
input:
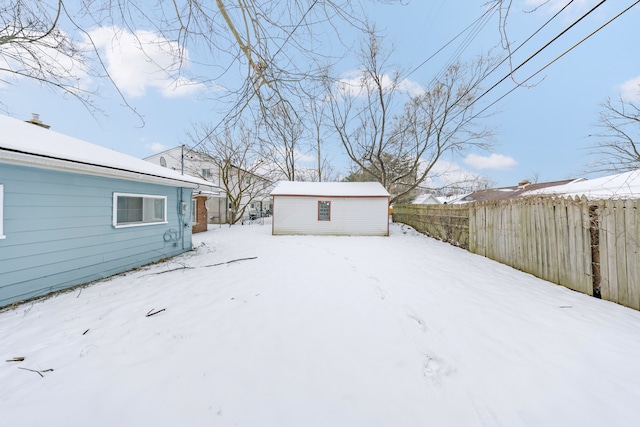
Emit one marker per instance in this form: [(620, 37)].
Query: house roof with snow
[(426, 199), (30, 145), (330, 189), (619, 186), (522, 189)]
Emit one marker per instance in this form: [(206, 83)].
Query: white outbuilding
[(330, 208)]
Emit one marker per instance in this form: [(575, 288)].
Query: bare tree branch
[(617, 146), (399, 147), (235, 153)]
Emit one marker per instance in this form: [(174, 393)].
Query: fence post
[(594, 232)]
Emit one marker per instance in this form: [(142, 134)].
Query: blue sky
[(541, 129)]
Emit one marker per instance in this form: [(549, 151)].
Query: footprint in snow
[(434, 370)]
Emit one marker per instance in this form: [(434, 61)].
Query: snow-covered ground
[(320, 331)]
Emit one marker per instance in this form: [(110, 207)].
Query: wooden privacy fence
[(619, 255), (588, 246), (445, 222)]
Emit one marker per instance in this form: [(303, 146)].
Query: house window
[(163, 162), (194, 213), (324, 211), (130, 210), (206, 174), (2, 236)]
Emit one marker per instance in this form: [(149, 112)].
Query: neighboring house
[(620, 186), (426, 199), (524, 188), (72, 212), (330, 208), (202, 165)]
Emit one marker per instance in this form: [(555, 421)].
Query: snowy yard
[(320, 331)]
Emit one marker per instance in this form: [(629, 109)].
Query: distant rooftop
[(523, 188), (624, 185)]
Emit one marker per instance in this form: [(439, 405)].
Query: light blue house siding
[(59, 232)]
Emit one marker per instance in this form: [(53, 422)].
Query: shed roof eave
[(341, 196)]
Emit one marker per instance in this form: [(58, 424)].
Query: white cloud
[(304, 158), (444, 174), (630, 90), (354, 84), (180, 87), (142, 60), (494, 161), (156, 147), (411, 87), (556, 5)]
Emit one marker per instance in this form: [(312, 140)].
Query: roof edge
[(50, 162)]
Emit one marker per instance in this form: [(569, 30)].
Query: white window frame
[(194, 211), (142, 223), (2, 236)]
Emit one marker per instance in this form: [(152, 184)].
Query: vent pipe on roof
[(35, 120)]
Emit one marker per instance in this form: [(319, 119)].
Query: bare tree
[(274, 44), (33, 46), (239, 165), (399, 147), (281, 143), (317, 128), (618, 142)]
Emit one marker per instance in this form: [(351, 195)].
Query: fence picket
[(620, 259), (631, 251)]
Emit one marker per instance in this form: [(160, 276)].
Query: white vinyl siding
[(361, 216), (2, 236), (131, 210)]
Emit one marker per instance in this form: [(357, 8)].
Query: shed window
[(324, 211), (194, 213), (2, 236), (131, 210)]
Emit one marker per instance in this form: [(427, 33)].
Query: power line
[(525, 61), (449, 42), (527, 40), (512, 71), (487, 14), (469, 38), (494, 9), (557, 58)]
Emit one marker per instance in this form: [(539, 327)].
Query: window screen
[(324, 211), (138, 209)]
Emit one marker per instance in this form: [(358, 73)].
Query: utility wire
[(557, 58), (511, 72), (526, 41), (518, 48), (498, 65), (469, 38), (486, 15), (452, 40)]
